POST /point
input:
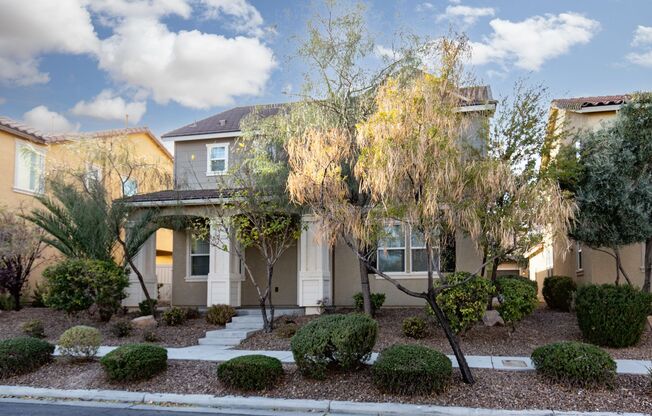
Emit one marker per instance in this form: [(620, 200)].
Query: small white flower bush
[(80, 342)]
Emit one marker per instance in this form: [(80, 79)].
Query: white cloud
[(425, 7), (48, 121), (643, 39), (31, 28), (246, 18), (109, 106), (642, 36), (467, 14), (528, 44)]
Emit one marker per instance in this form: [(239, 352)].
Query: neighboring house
[(28, 156), (310, 274), (584, 264)]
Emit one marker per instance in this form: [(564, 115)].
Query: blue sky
[(83, 64)]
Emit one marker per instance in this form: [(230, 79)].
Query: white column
[(314, 277), (224, 274), (145, 261)]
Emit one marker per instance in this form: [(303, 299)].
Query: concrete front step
[(230, 333), (277, 312), (219, 341), (244, 325)]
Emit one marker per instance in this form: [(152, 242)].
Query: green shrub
[(38, 297), (135, 362), (6, 302), (411, 369), (80, 342), (147, 307), (377, 301), (220, 314), (575, 363), (464, 305), (612, 316), (341, 340), (34, 328), (192, 313), (287, 330), (75, 285), (250, 372), (524, 279), (415, 327), (22, 355), (122, 329), (150, 336), (174, 316), (558, 292), (517, 297)]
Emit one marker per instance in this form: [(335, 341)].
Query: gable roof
[(22, 130), (579, 103), (229, 121)]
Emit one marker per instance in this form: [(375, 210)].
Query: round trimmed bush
[(34, 328), (23, 354), (575, 363), (558, 292), (415, 327), (610, 315), (411, 369), (250, 372), (174, 316), (80, 342), (122, 329), (147, 307), (135, 362), (220, 314), (518, 298), (345, 341), (377, 301), (464, 305)]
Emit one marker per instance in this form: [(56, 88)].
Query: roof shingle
[(578, 103)]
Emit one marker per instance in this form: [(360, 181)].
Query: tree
[(20, 249), (411, 162)]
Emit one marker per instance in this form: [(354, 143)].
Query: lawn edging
[(240, 403)]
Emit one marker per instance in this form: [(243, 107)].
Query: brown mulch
[(493, 389), (542, 327), (56, 322)]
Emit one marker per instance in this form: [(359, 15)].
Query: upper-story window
[(93, 175), (218, 158), (29, 172), (129, 187)]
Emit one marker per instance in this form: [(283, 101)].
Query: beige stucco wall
[(284, 281), (184, 293), (190, 163)]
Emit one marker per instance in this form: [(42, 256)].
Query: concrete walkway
[(211, 353)]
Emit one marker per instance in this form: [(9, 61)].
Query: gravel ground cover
[(542, 327), (493, 389), (55, 322)]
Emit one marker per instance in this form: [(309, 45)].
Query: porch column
[(314, 277), (145, 261), (224, 273)]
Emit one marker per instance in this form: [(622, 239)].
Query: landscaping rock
[(492, 318), (495, 303), (144, 322)]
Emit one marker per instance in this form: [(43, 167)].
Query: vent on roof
[(222, 122)]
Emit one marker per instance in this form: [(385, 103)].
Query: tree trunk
[(648, 266), (268, 324), (467, 376), (484, 260), (364, 286), (617, 254), (15, 294), (494, 270)]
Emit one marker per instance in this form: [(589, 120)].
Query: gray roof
[(179, 195), (229, 121)]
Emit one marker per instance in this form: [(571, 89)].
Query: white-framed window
[(391, 250), (419, 254), (93, 174), (198, 257), (217, 160), (129, 187), (578, 256), (29, 170)]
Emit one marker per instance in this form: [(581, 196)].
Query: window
[(578, 253), (218, 158), (93, 175), (129, 187), (29, 169), (198, 256), (419, 253), (391, 249)]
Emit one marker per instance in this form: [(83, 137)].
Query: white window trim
[(93, 167), (189, 277), (20, 144), (579, 252), (124, 180), (209, 148)]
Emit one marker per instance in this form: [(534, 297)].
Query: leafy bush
[(147, 307), (575, 363), (38, 297), (34, 328), (121, 329), (150, 336), (174, 316), (76, 284), (220, 314), (192, 313), (464, 305), (287, 330), (518, 298), (558, 292), (250, 372), (6, 302), (80, 342), (22, 355), (377, 301), (612, 316), (135, 362), (415, 327), (342, 340), (524, 279), (411, 369)]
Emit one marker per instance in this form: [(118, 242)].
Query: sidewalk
[(505, 363)]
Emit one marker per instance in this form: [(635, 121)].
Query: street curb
[(118, 398)]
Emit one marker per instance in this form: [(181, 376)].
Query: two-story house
[(585, 265), (308, 274)]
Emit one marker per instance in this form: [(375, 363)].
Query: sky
[(82, 65)]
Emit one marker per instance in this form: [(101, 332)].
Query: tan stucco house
[(307, 275), (582, 263)]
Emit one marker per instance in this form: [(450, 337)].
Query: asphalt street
[(49, 409)]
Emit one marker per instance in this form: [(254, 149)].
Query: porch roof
[(179, 196)]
